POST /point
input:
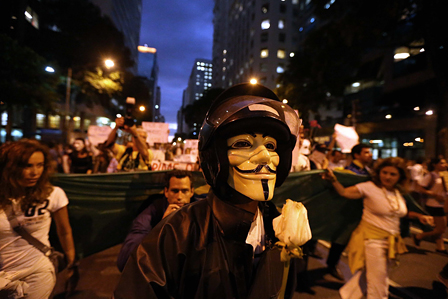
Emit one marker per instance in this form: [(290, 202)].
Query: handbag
[(57, 258)]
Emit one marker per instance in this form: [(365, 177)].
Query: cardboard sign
[(157, 132), (346, 137), (97, 134), (191, 143)]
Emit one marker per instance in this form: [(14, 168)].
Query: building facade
[(253, 39), (148, 69), (126, 16), (199, 82), (21, 20)]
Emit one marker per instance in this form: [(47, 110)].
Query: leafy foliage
[(195, 113), (348, 31), (23, 79), (77, 36)]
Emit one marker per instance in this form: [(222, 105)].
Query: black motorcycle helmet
[(240, 109)]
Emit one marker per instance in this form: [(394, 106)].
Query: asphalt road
[(414, 278)]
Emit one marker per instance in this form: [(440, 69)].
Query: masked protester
[(222, 247)]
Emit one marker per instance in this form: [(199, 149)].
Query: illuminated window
[(54, 121), (265, 8), (40, 120), (265, 24), (86, 122), (4, 118), (281, 24), (32, 17), (281, 54), (77, 122), (264, 53), (280, 69)]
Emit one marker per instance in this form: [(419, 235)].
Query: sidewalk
[(98, 276)]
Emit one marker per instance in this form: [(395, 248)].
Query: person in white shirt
[(434, 189), (377, 238), (29, 200)]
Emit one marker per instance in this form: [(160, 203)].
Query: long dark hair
[(399, 164), (14, 158), (84, 149), (433, 162)]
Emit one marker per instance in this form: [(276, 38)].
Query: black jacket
[(200, 252)]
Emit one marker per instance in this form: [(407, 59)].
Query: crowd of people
[(222, 246), (131, 153), (369, 249)]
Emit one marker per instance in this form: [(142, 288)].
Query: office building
[(126, 16), (253, 39), (199, 82), (148, 69)]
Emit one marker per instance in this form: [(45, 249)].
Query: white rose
[(292, 227)]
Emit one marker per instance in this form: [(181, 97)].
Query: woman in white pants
[(377, 239), (27, 199)]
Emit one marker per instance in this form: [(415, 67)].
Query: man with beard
[(223, 246)]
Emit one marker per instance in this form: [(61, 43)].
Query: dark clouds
[(181, 31)]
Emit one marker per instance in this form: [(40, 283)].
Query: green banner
[(102, 206)]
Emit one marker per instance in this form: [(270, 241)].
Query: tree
[(195, 113), (77, 36), (136, 87), (23, 80), (333, 52)]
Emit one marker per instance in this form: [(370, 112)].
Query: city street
[(414, 278)]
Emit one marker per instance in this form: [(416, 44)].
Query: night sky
[(181, 31)]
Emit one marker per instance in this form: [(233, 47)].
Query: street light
[(142, 108), (253, 81), (109, 63), (49, 69)]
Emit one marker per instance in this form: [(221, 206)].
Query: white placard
[(157, 132), (97, 134), (346, 137), (191, 143)]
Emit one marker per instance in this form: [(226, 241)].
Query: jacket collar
[(234, 222)]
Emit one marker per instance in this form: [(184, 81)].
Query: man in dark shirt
[(178, 192), (362, 157)]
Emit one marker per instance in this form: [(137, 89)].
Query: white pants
[(36, 282), (373, 279)]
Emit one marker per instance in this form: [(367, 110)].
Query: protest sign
[(97, 134), (157, 132)]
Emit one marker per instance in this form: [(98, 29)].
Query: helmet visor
[(278, 109)]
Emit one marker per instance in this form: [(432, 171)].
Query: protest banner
[(169, 165), (157, 132), (97, 134), (346, 137)]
